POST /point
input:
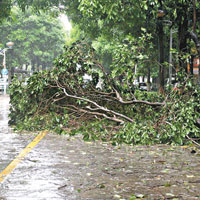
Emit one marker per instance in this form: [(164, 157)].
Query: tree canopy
[(116, 18), (38, 39)]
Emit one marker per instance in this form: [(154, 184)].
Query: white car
[(143, 86)]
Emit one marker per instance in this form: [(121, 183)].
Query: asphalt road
[(64, 168)]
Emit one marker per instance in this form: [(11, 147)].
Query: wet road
[(64, 168)]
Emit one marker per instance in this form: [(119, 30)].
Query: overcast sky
[(64, 19)]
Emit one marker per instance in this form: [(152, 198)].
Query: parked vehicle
[(143, 86)]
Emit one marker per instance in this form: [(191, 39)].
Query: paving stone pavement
[(67, 168)]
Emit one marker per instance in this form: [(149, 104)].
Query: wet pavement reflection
[(64, 168)]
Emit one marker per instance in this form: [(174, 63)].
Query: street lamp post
[(3, 53), (170, 56), (167, 22), (160, 16), (4, 71)]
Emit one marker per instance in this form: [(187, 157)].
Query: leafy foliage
[(175, 123), (38, 39), (61, 100), (5, 8)]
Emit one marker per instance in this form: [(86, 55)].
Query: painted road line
[(9, 169)]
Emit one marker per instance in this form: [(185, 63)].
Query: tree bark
[(161, 52), (194, 16), (148, 79), (182, 17), (161, 57)]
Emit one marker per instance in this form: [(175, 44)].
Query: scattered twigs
[(192, 140), (61, 187), (114, 118)]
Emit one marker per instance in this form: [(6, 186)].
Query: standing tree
[(116, 19), (5, 8), (38, 39)]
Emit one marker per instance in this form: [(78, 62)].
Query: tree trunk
[(161, 57), (161, 49), (193, 34), (44, 66), (38, 68), (194, 16), (33, 66), (148, 79), (182, 15)]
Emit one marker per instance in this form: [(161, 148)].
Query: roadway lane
[(64, 168)]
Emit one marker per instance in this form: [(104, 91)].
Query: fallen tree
[(63, 100)]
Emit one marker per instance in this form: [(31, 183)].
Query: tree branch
[(96, 105), (138, 101)]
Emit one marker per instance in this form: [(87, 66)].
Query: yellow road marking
[(9, 169)]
